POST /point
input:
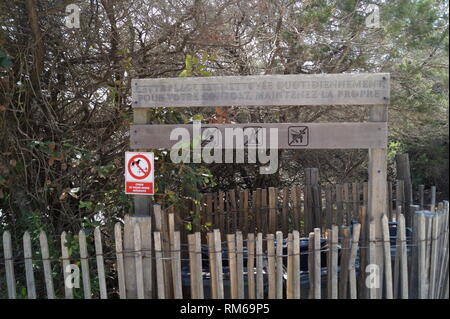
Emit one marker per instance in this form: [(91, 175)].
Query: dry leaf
[(2, 108), (52, 146), (13, 163)]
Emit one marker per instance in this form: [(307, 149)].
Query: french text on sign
[(297, 89), (139, 173)]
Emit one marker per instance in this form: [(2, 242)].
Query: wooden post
[(404, 174), (142, 204), (377, 187)]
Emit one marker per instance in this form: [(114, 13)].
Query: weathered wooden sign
[(316, 89), (254, 135)]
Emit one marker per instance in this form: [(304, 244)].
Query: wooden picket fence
[(300, 208), (150, 261)]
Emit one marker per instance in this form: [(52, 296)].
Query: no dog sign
[(139, 173)]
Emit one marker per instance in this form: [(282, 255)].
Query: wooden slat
[(352, 135), (362, 291), (218, 259), (84, 265), (317, 265), (311, 266), (422, 196), (129, 257), (212, 265), (193, 267), (9, 265), (329, 207), (233, 210), (221, 211), (139, 274), (290, 268), (340, 205), (285, 211), (100, 263), (145, 227), (434, 256), (279, 264), (422, 277), (47, 265), (240, 265), (65, 262), (271, 266), (296, 208), (272, 210), (120, 261), (231, 241), (256, 198), (333, 268), (176, 266), (160, 275), (404, 257), (296, 264), (251, 266), (259, 267), (387, 258), (28, 257), (298, 89), (433, 199), (352, 263), (243, 205), (264, 212), (345, 261), (372, 290)]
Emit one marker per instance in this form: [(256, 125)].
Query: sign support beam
[(143, 205), (377, 193)]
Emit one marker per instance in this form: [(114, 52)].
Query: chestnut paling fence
[(149, 260)]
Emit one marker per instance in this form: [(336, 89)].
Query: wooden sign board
[(290, 135), (314, 89)]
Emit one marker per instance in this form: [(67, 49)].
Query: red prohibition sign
[(134, 160)]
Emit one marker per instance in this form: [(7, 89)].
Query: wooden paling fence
[(150, 261), (300, 208)]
